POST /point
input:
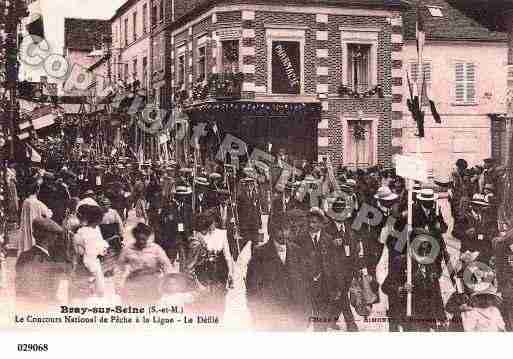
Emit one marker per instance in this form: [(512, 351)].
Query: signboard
[(286, 67), (229, 33), (411, 167)]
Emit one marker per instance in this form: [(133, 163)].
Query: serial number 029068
[(32, 347)]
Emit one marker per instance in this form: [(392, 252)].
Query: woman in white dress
[(32, 208), (87, 278), (209, 261)]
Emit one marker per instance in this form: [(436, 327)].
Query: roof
[(202, 5), (84, 34), (462, 20)]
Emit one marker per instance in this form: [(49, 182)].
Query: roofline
[(403, 4), (122, 9)]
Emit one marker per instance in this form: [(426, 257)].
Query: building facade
[(317, 80), (464, 63)]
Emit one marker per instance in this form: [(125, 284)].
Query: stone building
[(317, 78)]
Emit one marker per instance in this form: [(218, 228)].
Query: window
[(144, 17), (358, 59), (162, 52), (230, 56), (115, 35), (202, 64), (181, 71), (135, 25), (145, 71), (135, 70), (154, 15), (161, 11), (465, 83), (157, 55), (126, 32), (286, 67), (435, 11)]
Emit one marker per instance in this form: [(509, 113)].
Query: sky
[(54, 12)]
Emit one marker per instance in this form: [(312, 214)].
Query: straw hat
[(426, 195), (182, 190), (202, 181), (384, 193), (480, 200)]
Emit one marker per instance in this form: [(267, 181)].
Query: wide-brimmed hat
[(46, 225), (182, 190), (105, 201), (384, 193), (247, 180), (339, 205), (351, 182), (489, 292), (291, 185), (202, 181), (426, 195), (480, 200), (215, 176)]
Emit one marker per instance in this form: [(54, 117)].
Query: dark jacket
[(278, 293), (249, 211), (37, 277)]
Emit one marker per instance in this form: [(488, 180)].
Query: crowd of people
[(313, 266)]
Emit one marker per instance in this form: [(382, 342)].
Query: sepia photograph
[(302, 166)]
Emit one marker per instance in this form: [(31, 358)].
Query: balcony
[(360, 91), (225, 86)]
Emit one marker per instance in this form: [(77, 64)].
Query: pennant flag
[(35, 24), (34, 156), (434, 112), (43, 117)]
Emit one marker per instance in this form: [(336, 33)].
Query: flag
[(34, 156), (426, 100), (35, 24), (420, 35)]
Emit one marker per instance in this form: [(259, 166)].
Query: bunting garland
[(346, 91)]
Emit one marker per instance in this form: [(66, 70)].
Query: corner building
[(318, 78)]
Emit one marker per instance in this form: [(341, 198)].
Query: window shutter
[(470, 75), (426, 67), (459, 92), (414, 71)]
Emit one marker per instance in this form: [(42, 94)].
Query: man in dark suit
[(346, 252), (277, 286), (38, 272), (249, 209), (323, 276)]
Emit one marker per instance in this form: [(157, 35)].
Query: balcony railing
[(225, 86)]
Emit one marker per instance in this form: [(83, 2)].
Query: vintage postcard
[(293, 166)]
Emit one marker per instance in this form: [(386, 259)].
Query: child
[(485, 315)]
